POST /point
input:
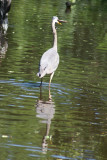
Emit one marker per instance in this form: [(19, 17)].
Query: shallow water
[(73, 125)]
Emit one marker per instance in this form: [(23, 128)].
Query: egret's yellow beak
[(59, 23)]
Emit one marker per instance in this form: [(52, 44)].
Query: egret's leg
[(49, 94), (40, 92), (50, 84), (41, 82), (51, 79)]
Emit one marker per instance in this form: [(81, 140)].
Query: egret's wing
[(49, 62)]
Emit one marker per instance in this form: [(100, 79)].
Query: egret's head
[(55, 20)]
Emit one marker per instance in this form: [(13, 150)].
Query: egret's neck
[(54, 36)]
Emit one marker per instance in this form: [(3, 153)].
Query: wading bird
[(50, 59)]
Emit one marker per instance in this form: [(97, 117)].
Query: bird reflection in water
[(45, 110), (4, 9), (3, 45), (68, 6), (5, 6)]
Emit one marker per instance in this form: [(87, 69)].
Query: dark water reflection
[(73, 124)]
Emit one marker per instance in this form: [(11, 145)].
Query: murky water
[(74, 124)]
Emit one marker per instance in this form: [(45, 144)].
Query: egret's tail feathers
[(39, 75)]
